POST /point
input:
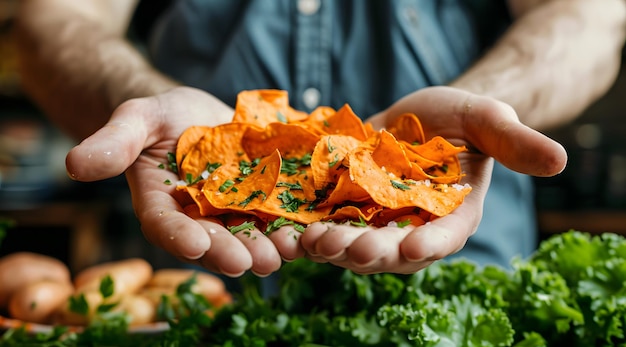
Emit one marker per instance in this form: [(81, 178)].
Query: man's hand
[(136, 140), (490, 129)]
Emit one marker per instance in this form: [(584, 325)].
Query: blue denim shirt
[(326, 52)]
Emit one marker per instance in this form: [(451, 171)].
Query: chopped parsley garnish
[(360, 223), (247, 167), (290, 202), (245, 226), (291, 186), (227, 184), (168, 182), (253, 196), (280, 222), (171, 162), (306, 159), (399, 185), (402, 224), (444, 168), (291, 166), (326, 124), (332, 163), (330, 147), (210, 167), (281, 117), (190, 180)]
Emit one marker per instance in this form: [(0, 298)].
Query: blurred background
[(87, 223)]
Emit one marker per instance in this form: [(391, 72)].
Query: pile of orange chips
[(274, 163)]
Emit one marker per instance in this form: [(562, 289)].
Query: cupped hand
[(135, 141), (491, 130)]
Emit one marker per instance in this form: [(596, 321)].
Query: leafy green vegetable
[(570, 292)]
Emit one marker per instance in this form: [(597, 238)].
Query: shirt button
[(308, 7), (311, 98)]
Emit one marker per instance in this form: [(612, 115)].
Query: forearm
[(77, 69), (554, 61)]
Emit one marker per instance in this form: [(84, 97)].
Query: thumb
[(494, 129), (110, 150)]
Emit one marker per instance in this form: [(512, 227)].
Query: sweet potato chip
[(356, 214), (328, 155), (274, 165), (438, 199), (389, 154), (344, 191), (317, 121), (407, 127), (414, 215), (265, 106), (291, 140), (294, 196), (188, 140), (244, 191), (219, 146), (346, 122)]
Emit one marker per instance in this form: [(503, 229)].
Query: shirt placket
[(426, 40), (312, 54)]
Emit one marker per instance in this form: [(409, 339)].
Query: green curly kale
[(570, 292)]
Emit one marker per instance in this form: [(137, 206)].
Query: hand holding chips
[(142, 131), (273, 165)]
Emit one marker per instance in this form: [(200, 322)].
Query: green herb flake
[(190, 180), (245, 226), (399, 185), (402, 224), (281, 117), (335, 160), (291, 186), (171, 162), (280, 222), (361, 223), (247, 167), (290, 202), (330, 147), (211, 167), (253, 196), (167, 182), (305, 160), (227, 184)]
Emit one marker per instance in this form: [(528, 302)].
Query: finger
[(493, 127), (227, 255), (377, 250), (165, 225), (265, 256), (310, 236), (111, 149), (333, 244), (448, 234), (287, 241)]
